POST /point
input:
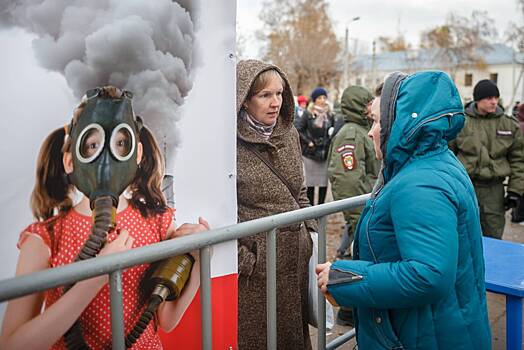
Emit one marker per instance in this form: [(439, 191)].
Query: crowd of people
[(405, 281), (404, 276)]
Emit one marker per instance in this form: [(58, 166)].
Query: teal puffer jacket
[(417, 281)]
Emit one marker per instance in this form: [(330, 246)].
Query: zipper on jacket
[(449, 114), (352, 278), (367, 230)]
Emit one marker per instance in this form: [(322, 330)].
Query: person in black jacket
[(316, 129)]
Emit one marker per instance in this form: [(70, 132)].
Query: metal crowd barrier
[(114, 264)]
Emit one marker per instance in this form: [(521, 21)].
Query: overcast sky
[(383, 18)]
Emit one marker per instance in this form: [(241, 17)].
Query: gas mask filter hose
[(104, 220)]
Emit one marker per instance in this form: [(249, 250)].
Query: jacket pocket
[(384, 330)]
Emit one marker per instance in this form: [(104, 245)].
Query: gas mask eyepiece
[(122, 142), (90, 143)]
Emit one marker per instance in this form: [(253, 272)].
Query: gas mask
[(104, 145)]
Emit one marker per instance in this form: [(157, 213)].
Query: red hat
[(301, 99)]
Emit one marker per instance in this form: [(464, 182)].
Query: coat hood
[(428, 113), (471, 110), (247, 72), (353, 104)]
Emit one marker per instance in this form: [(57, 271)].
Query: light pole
[(346, 53)]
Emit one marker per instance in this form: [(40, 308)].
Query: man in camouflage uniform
[(352, 166), (491, 148)]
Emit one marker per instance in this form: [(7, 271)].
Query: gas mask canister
[(104, 146)]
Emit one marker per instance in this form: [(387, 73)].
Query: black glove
[(511, 200)]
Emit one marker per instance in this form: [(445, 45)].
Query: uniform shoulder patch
[(345, 147), (504, 132), (348, 160)]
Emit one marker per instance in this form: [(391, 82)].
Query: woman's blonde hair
[(52, 188), (262, 80)]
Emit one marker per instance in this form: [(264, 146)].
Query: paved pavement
[(496, 302)]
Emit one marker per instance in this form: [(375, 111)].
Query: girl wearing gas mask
[(104, 151)]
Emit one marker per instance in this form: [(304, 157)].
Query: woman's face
[(321, 101), (374, 132), (265, 105)]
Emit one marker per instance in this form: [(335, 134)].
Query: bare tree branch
[(458, 41), (300, 39)]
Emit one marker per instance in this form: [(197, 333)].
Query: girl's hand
[(121, 243), (322, 271), (188, 229)]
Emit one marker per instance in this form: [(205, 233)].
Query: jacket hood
[(353, 104), (428, 114), (471, 110), (247, 72)]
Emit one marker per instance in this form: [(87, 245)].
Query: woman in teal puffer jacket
[(417, 281)]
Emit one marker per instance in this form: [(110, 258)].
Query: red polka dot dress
[(69, 233)]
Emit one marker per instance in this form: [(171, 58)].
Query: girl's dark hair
[(51, 190), (146, 186), (50, 194)]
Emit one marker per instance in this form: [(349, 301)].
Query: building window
[(359, 81), (468, 79), (494, 77)]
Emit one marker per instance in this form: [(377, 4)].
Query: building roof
[(427, 58)]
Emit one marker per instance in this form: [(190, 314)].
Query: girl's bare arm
[(25, 326)]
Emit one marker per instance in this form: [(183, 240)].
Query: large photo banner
[(177, 58)]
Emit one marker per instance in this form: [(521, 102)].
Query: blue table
[(505, 275)]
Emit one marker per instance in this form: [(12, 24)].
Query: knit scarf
[(262, 129), (321, 114)]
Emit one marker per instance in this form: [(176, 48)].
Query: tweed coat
[(261, 193)]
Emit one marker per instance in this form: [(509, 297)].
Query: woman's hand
[(188, 229), (322, 271)]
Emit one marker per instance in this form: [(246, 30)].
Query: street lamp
[(346, 52)]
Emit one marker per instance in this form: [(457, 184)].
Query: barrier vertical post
[(271, 288), (117, 310), (205, 297), (321, 312)]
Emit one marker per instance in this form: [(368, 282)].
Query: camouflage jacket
[(491, 147)]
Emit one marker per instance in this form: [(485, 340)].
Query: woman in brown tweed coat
[(265, 110)]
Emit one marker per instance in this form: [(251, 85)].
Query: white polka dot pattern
[(70, 231)]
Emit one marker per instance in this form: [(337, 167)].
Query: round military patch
[(348, 160)]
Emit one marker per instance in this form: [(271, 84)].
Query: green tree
[(300, 39)]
